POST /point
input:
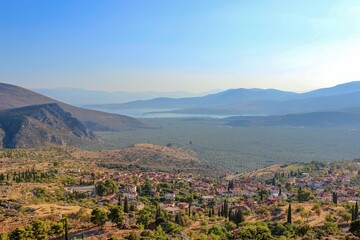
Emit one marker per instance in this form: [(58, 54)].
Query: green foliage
[(42, 193), (263, 211), (104, 188), (99, 217), (57, 229), (303, 229), (304, 195), (116, 215), (331, 228), (36, 230), (146, 216), (220, 146), (40, 229), (160, 234), (133, 236), (19, 234), (345, 216), (219, 231), (256, 231), (229, 225), (355, 228), (4, 236), (277, 229)]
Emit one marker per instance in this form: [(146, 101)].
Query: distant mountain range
[(41, 125), (14, 97), (254, 102), (81, 97)]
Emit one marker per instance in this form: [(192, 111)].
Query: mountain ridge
[(254, 101), (42, 125), (12, 96)]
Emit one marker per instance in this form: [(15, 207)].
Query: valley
[(241, 148)]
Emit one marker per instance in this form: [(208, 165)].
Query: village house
[(169, 196)]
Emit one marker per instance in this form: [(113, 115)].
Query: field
[(241, 148)]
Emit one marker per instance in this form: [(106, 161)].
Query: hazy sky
[(170, 45)]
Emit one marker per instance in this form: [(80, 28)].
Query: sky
[(187, 45)]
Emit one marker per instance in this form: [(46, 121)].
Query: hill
[(149, 157), (41, 125), (14, 97)]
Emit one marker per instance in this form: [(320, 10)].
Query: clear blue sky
[(192, 45)]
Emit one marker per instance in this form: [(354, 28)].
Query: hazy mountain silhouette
[(12, 96)]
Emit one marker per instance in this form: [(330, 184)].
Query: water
[(158, 113)]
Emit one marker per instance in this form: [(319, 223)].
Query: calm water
[(155, 113)]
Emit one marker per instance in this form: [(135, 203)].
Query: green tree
[(277, 229), (4, 236), (335, 197), (19, 234), (257, 230), (304, 195), (331, 228), (345, 216), (160, 234), (57, 229), (116, 215), (66, 227), (146, 216), (40, 229), (133, 236), (104, 188), (218, 231), (99, 217), (289, 215), (355, 228), (179, 220), (126, 205)]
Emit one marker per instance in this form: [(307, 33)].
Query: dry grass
[(45, 210)]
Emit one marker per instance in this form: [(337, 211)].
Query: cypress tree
[(353, 213), (226, 208), (356, 213), (126, 205), (239, 217), (119, 200), (289, 216), (335, 198), (66, 228)]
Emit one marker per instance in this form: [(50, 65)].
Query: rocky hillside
[(14, 97), (41, 125)]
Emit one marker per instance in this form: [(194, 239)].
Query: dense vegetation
[(242, 149)]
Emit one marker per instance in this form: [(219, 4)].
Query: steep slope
[(14, 97), (41, 125)]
